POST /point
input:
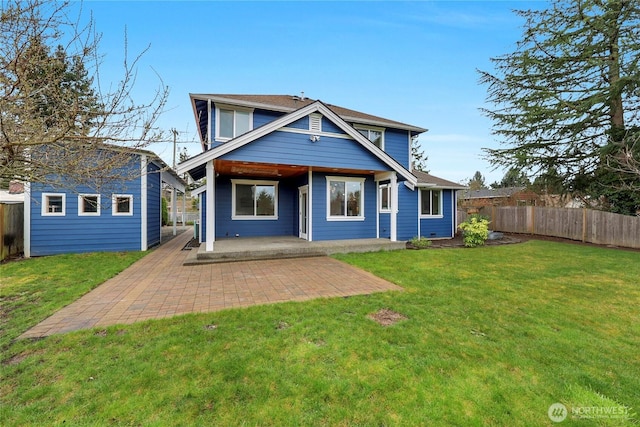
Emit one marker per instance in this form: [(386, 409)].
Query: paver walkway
[(159, 286)]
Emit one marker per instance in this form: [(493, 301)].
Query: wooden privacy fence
[(586, 225), (11, 229)]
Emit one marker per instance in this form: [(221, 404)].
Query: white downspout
[(209, 141)]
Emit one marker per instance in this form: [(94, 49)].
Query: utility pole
[(175, 136)]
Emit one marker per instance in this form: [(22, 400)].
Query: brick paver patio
[(160, 286)]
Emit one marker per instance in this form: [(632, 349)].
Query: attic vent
[(315, 122)]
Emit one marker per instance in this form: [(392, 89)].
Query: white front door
[(303, 216)]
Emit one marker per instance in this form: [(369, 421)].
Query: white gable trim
[(284, 121)]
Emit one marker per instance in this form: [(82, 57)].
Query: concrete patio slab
[(160, 286)]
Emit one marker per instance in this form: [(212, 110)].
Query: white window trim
[(375, 129), (219, 107), (440, 201), (235, 217), (345, 179), (45, 204), (381, 188), (114, 205), (81, 205)]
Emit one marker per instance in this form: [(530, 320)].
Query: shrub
[(475, 231), (420, 242)]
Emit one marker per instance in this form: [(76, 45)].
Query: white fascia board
[(195, 114), (285, 120), (351, 131), (199, 190)]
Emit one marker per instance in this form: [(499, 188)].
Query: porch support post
[(184, 207), (310, 207), (394, 208), (174, 208), (211, 206)]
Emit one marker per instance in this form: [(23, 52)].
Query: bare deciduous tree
[(57, 118)]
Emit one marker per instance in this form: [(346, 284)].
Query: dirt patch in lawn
[(386, 317)]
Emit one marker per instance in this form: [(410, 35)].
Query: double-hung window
[(232, 122), (375, 135), (431, 203), (254, 199), (345, 198), (53, 204), (89, 205)]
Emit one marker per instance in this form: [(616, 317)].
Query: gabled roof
[(427, 180), (316, 106), (289, 103)]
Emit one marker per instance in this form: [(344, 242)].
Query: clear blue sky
[(413, 62)]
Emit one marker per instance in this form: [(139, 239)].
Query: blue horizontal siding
[(385, 225), (283, 226), (439, 227), (407, 217), (154, 205), (338, 230), (262, 117), (329, 126), (396, 144), (77, 234), (295, 149)]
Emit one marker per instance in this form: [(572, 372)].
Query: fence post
[(2, 231), (584, 224), (532, 226)]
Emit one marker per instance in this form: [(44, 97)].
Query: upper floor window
[(431, 203), (89, 205), (232, 122), (345, 198), (375, 135), (254, 199), (122, 205), (53, 204)]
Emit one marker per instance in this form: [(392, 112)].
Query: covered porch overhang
[(214, 168)]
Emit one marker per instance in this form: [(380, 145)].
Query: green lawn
[(493, 336)]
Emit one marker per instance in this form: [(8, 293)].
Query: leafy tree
[(477, 182), (571, 90), (55, 116), (418, 158)]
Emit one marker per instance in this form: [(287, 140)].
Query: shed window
[(254, 199), (345, 198), (53, 204), (122, 205), (89, 205), (431, 203)]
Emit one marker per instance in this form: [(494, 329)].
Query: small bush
[(475, 231), (420, 242)]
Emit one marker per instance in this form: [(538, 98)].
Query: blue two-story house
[(280, 165)]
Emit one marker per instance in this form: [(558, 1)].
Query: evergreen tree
[(570, 93), (418, 158)]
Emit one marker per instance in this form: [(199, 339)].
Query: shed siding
[(439, 227), (154, 205), (337, 230), (74, 234), (295, 149)]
